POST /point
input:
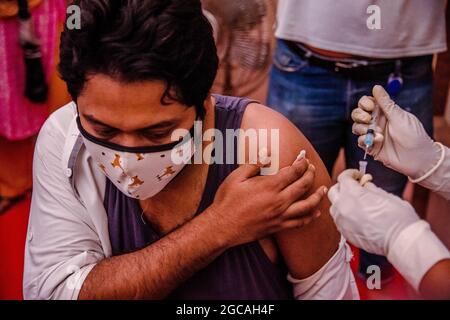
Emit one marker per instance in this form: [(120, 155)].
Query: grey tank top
[(242, 272)]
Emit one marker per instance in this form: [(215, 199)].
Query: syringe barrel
[(369, 138)]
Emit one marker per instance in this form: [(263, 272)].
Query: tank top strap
[(229, 113)]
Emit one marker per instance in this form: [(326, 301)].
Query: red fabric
[(397, 289), (13, 227)]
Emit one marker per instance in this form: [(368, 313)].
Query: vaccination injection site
[(205, 152)]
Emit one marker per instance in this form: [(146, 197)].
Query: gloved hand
[(384, 224), (368, 216), (401, 143)]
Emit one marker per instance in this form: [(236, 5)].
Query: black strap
[(36, 89), (24, 11)]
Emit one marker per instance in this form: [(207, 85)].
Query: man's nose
[(132, 141)]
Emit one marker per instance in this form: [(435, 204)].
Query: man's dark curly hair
[(142, 40)]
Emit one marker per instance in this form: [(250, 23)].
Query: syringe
[(370, 136)]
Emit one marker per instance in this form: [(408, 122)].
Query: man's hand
[(248, 207)]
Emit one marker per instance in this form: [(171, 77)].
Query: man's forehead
[(163, 123), (102, 88)]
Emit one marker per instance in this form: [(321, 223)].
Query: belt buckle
[(347, 66)]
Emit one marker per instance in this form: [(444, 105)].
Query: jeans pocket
[(286, 60)]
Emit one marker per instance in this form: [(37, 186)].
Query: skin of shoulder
[(306, 249)]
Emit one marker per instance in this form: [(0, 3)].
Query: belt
[(356, 68)]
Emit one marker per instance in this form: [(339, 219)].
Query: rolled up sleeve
[(62, 245)]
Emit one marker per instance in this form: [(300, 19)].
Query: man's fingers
[(291, 224), (290, 174), (247, 171), (306, 207), (361, 116), (301, 186), (299, 222)]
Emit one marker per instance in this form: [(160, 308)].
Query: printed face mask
[(140, 173)]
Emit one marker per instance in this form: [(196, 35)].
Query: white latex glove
[(401, 143), (384, 224), (334, 281), (368, 216)]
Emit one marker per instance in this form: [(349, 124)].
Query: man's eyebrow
[(159, 125), (93, 120)]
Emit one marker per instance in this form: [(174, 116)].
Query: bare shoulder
[(307, 249), (291, 139), (259, 116)]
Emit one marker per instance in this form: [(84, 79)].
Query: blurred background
[(244, 32)]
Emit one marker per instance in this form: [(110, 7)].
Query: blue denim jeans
[(319, 102)]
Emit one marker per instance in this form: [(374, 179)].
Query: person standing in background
[(330, 53), (20, 118)]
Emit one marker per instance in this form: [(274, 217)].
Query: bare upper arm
[(307, 249)]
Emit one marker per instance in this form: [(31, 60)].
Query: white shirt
[(65, 240)]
